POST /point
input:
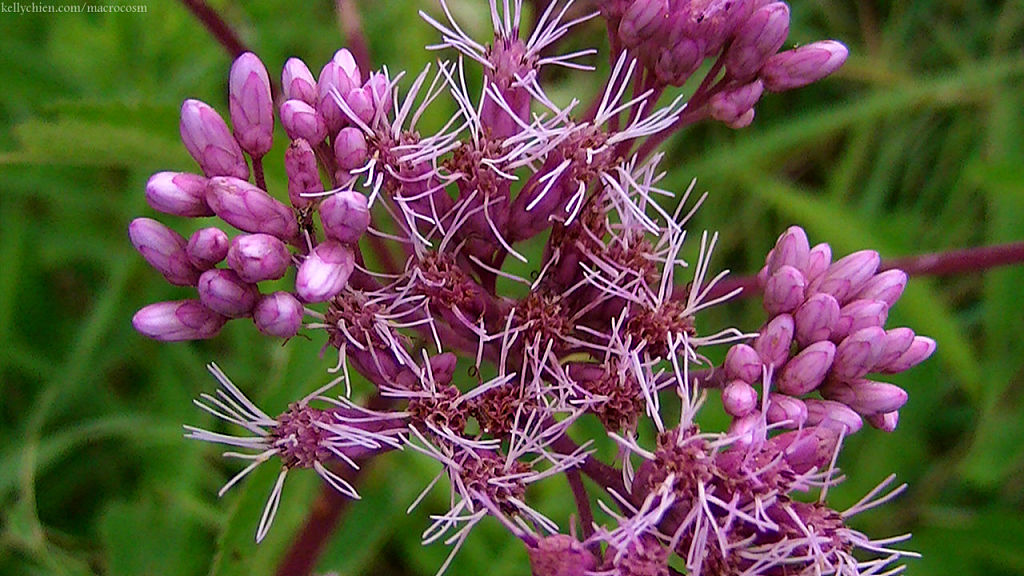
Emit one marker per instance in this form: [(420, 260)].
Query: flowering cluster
[(597, 330)]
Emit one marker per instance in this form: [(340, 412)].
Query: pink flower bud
[(325, 271), (301, 121), (225, 293), (345, 215), (786, 409), (816, 318), (164, 249), (258, 257), (784, 291), (297, 82), (739, 398), (918, 352), (857, 315), (857, 354), (337, 79), (818, 261), (756, 39), (643, 20), (360, 101), (896, 342), (560, 555), (743, 121), (885, 286), (811, 447), (380, 89), (748, 430), (209, 141), (178, 193), (834, 415), (206, 247), (762, 274), (729, 106), (807, 369), (775, 339), (866, 397), (678, 61), (303, 174), (791, 249), (802, 66), (278, 314), (350, 148), (250, 209), (175, 321), (743, 362), (848, 275), (252, 108), (885, 422), (442, 367)]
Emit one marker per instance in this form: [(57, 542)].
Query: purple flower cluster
[(597, 330)]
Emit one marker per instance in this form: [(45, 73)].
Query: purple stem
[(217, 27), (934, 264), (579, 494), (352, 28)]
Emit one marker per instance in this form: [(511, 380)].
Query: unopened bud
[(805, 371), (180, 320), (325, 271), (739, 398), (225, 293), (303, 174), (209, 141), (885, 286), (775, 339), (301, 121), (756, 40), (790, 412), (859, 314), (744, 363), (867, 397), (350, 148), (834, 415), (816, 318), (252, 107), (207, 247), (802, 66), (178, 193), (258, 257), (791, 249), (297, 82), (345, 215), (784, 291), (278, 314), (337, 79), (857, 354), (730, 105), (848, 275), (250, 209), (164, 250), (918, 352)]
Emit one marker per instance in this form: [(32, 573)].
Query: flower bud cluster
[(672, 39), (824, 336), (227, 271)]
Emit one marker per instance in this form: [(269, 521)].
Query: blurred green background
[(914, 146)]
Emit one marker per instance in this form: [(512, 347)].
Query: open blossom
[(599, 328)]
